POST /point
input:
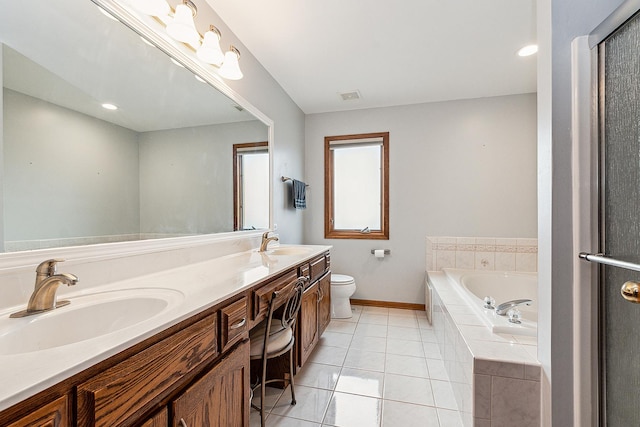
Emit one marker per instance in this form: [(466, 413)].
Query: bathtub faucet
[(506, 306)]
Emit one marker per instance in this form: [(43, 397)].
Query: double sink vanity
[(160, 349)]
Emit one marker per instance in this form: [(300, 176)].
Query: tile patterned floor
[(381, 368)]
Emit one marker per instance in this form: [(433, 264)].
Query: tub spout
[(503, 308)]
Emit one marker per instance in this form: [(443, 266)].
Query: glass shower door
[(619, 231)]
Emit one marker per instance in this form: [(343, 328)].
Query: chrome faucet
[(43, 297), (265, 241), (503, 308)]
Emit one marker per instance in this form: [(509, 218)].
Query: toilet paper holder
[(386, 251)]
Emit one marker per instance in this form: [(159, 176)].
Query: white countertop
[(197, 287)]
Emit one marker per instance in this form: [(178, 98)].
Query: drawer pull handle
[(181, 423), (239, 324)]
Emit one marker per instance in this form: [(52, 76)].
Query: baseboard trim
[(388, 304)]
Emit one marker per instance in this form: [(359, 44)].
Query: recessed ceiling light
[(108, 106), (528, 50)]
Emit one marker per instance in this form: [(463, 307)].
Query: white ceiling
[(393, 52)]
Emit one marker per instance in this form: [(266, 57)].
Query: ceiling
[(392, 52)]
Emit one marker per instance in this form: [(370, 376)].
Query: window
[(357, 186), (250, 188)]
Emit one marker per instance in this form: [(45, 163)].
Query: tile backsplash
[(482, 253)]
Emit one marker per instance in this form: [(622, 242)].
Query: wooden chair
[(275, 337)]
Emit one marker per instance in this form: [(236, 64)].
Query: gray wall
[(66, 174), (461, 168), (192, 168), (261, 90), (559, 22)]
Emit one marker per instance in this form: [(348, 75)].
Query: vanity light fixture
[(210, 51), (108, 106), (180, 26), (528, 50), (230, 68)]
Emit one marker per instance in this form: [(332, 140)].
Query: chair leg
[(262, 391), (293, 393)]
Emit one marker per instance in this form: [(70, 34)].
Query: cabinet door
[(324, 303), (54, 414), (160, 419), (308, 327), (220, 398)]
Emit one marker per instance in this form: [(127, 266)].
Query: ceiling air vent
[(239, 108), (350, 96)]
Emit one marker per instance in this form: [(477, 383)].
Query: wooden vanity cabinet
[(220, 398), (324, 302), (195, 373), (315, 311), (308, 327), (53, 414)]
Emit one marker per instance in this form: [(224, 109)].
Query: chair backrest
[(291, 306)]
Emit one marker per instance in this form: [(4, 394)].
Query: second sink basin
[(88, 316)]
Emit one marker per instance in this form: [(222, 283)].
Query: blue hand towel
[(299, 194)]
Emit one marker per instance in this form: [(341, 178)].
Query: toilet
[(342, 287)]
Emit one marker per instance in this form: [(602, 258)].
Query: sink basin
[(287, 250), (87, 317)]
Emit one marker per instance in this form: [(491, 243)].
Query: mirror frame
[(183, 55)]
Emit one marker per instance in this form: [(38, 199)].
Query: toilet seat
[(341, 279)]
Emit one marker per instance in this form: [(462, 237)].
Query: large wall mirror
[(160, 165)]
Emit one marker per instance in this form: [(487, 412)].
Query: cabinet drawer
[(262, 295), (114, 395), (233, 323), (54, 414), (318, 267)]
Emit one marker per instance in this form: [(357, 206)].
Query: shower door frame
[(587, 154)]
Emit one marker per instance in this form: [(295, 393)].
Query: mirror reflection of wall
[(75, 173)]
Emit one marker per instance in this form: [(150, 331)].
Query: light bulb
[(210, 51), (182, 28), (230, 68)]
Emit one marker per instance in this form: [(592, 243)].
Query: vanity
[(183, 365)]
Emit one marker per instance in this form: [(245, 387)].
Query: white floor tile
[(405, 322), (328, 355), (401, 333), (367, 360), (350, 410), (318, 375), (402, 312), (431, 350), (341, 327), (375, 310), (334, 339), (357, 381), (408, 389), (374, 319), (311, 404), (396, 414), (369, 330), (278, 421), (406, 365), (377, 344), (427, 335), (405, 347)]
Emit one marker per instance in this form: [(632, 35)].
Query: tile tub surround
[(495, 377), (482, 253)]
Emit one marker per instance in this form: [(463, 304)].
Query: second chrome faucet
[(43, 297)]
